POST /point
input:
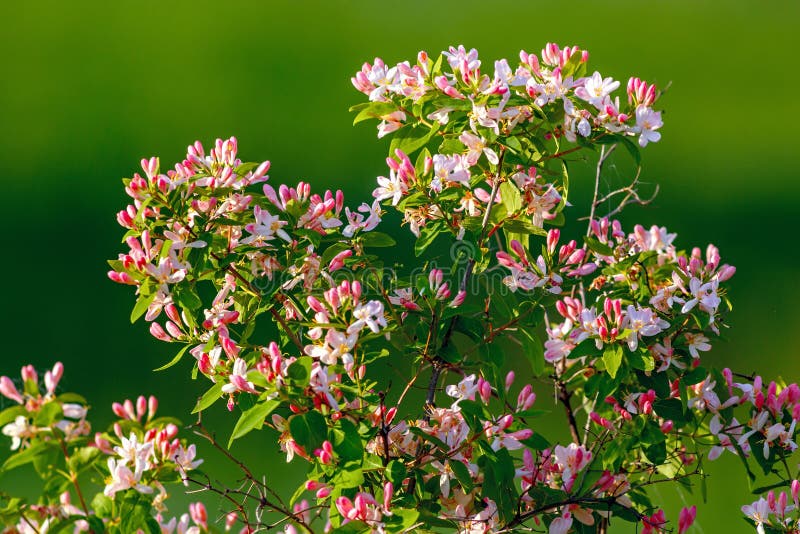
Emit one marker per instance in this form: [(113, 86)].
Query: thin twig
[(603, 156)]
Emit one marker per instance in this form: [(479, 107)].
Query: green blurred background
[(89, 88)]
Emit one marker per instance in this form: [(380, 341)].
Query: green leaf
[(187, 297), (670, 409), (9, 414), (633, 150), (522, 226), (511, 197), (143, 301), (427, 236), (595, 245), (209, 397), (498, 480), (462, 474), (407, 518), (174, 360), (309, 430), (411, 138), (378, 240), (534, 350), (352, 527), (451, 145), (612, 357), (537, 442), (25, 456), (347, 442), (641, 359), (656, 454), (48, 414), (373, 110), (396, 472), (348, 478), (252, 419), (299, 372), (82, 458)]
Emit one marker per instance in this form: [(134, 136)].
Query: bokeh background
[(88, 88)]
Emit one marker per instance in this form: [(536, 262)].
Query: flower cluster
[(136, 459), (337, 353)]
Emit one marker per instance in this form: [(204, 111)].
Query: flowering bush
[(285, 304)]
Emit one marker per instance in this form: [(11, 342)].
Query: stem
[(603, 156), (263, 501), (73, 477), (564, 396), (430, 399)]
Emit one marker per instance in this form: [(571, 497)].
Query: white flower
[(392, 187), (477, 146), (697, 342), (465, 389), (135, 453), (18, 430), (123, 478), (450, 168), (185, 460), (370, 315), (642, 322), (264, 229), (647, 122), (596, 88)]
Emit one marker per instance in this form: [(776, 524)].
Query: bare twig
[(603, 156)]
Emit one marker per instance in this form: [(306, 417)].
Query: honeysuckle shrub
[(291, 306)]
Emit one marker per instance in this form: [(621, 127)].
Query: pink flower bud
[(338, 261), (315, 304), (28, 374), (230, 348), (726, 272), (199, 515), (230, 520), (173, 329), (171, 430), (443, 85), (667, 426), (9, 390), (130, 411), (428, 165), (509, 380), (388, 491), (484, 390), (158, 332), (505, 421), (261, 170), (552, 239), (390, 415), (172, 313), (458, 300), (686, 518), (141, 406), (204, 364), (152, 406)]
